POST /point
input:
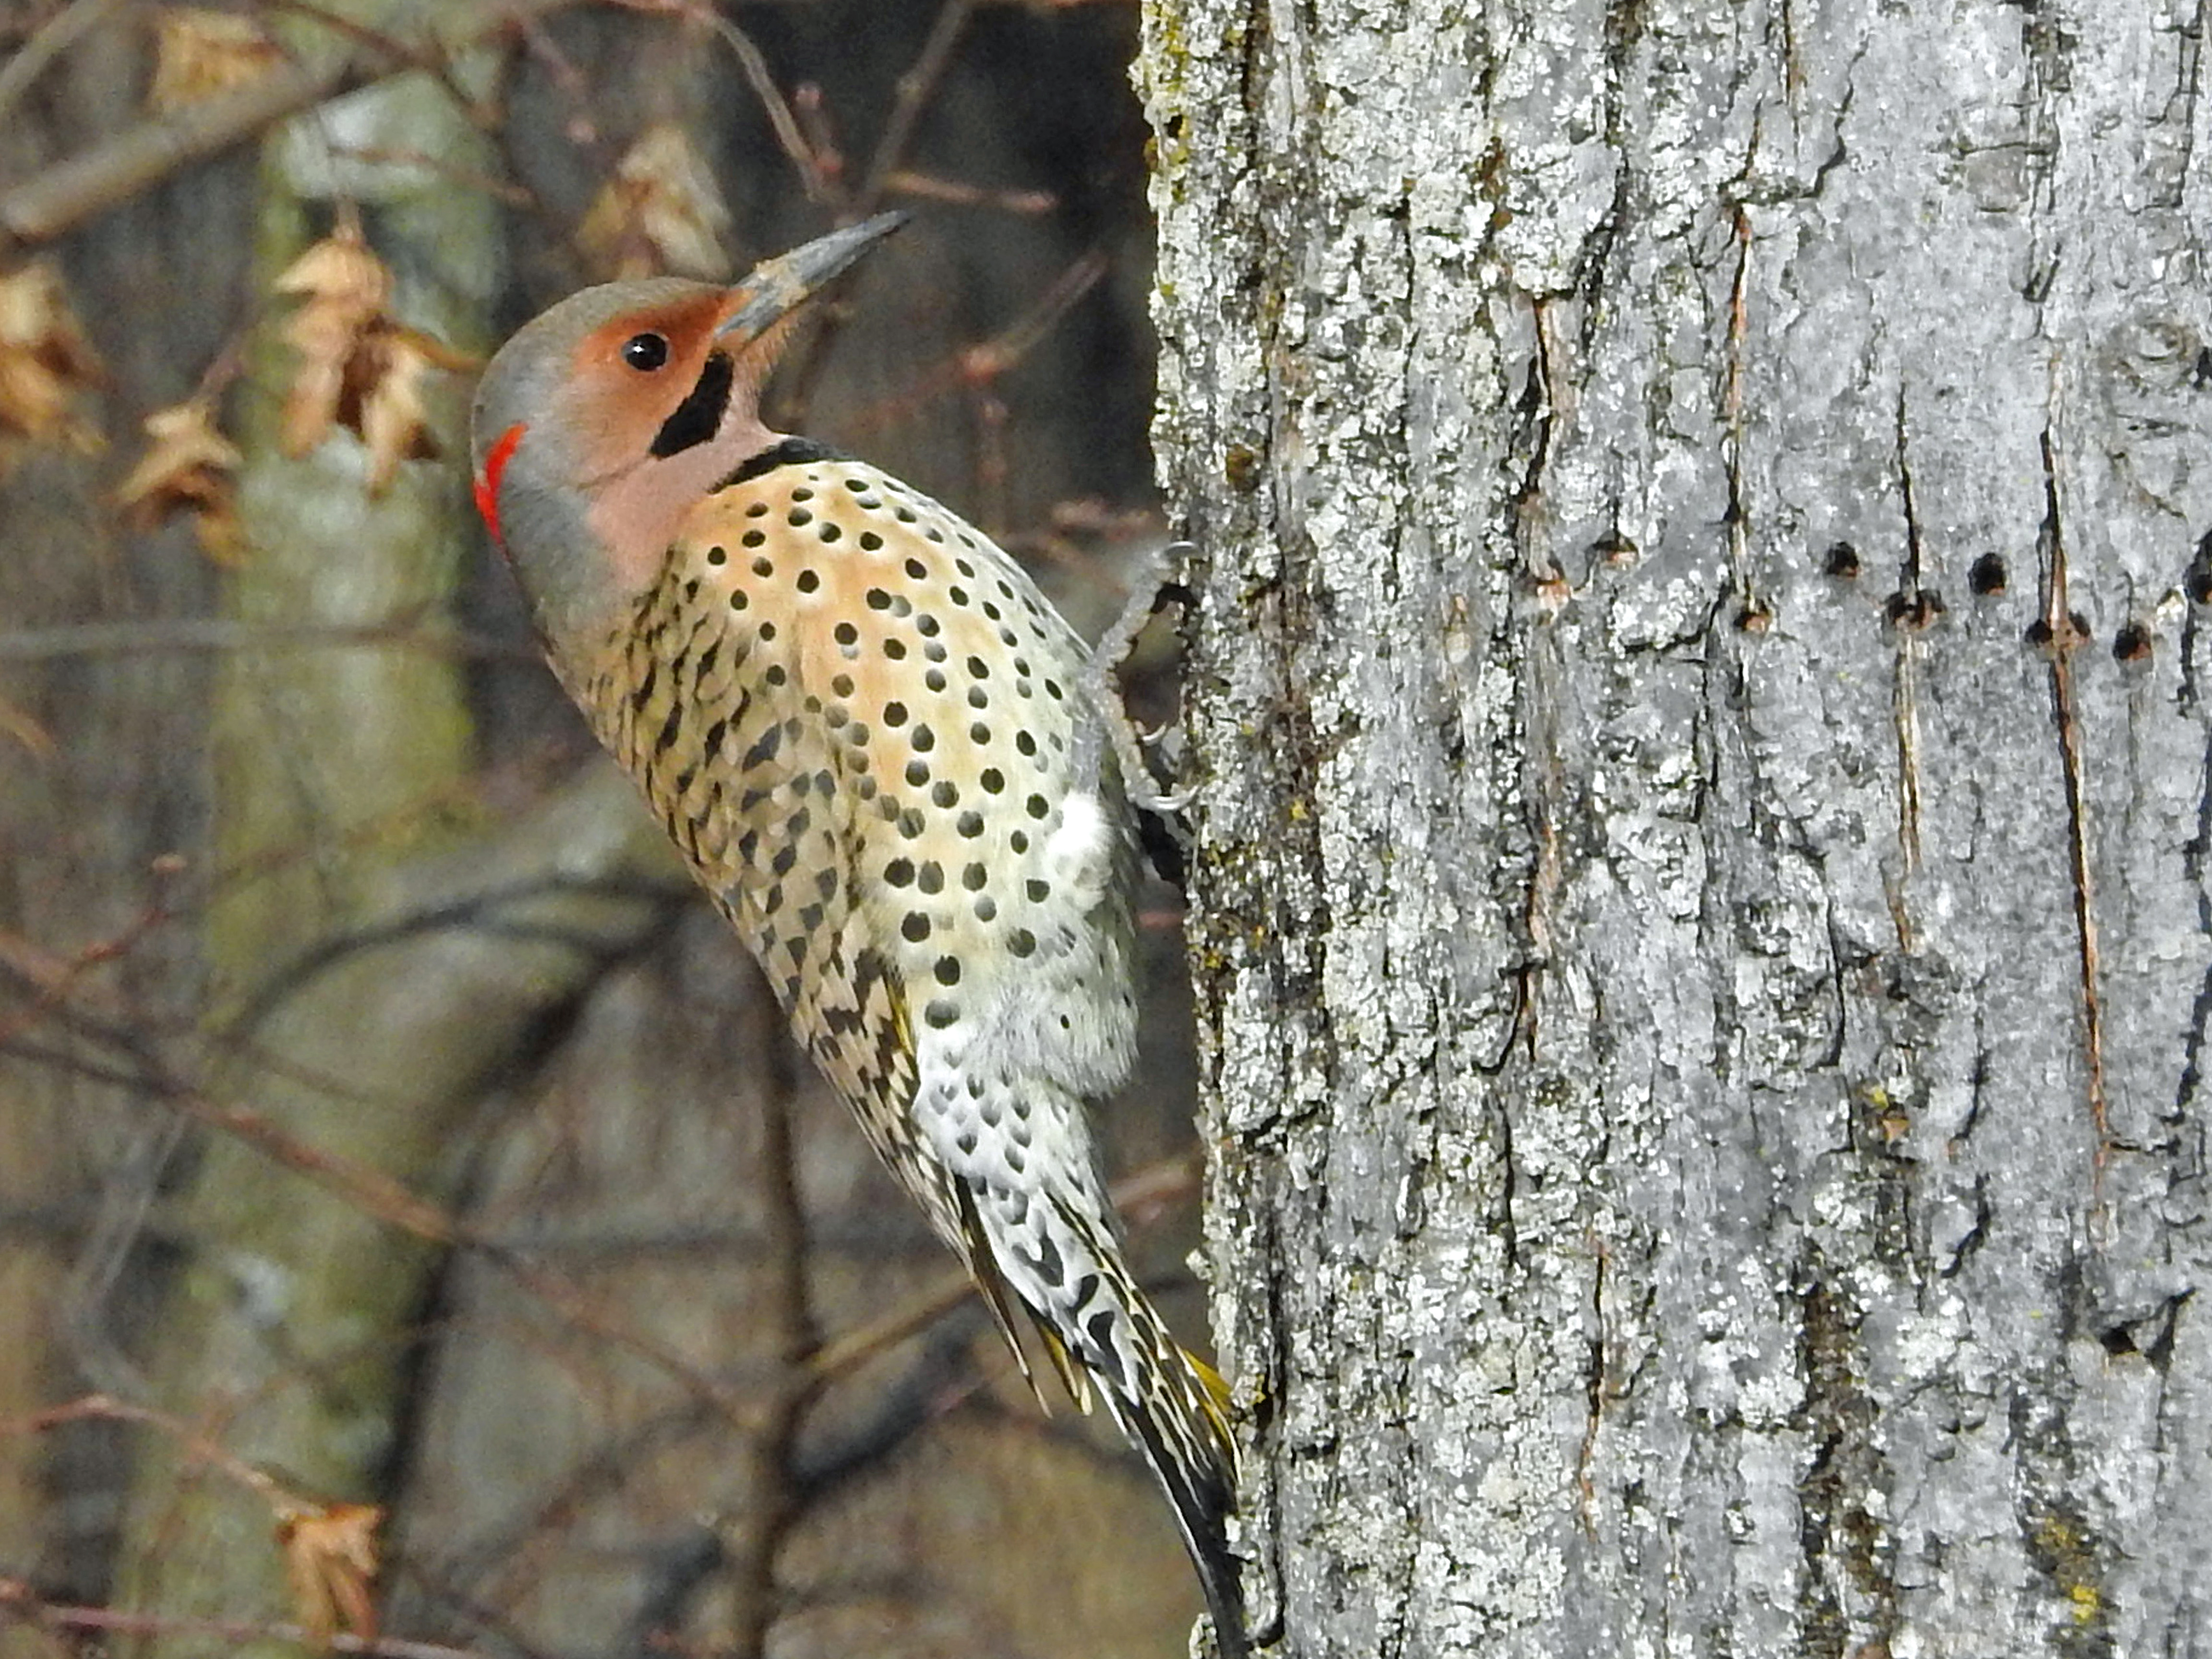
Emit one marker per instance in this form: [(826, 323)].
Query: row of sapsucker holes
[(1987, 577)]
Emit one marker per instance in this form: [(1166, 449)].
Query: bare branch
[(197, 633), (84, 186), (18, 1600), (53, 37)]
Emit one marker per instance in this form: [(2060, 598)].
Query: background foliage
[(408, 1203)]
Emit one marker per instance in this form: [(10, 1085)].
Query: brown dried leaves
[(200, 54), (46, 365), (186, 468), (661, 212), (360, 366), (330, 1558), (344, 289)]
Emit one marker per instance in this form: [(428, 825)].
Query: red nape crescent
[(487, 485)]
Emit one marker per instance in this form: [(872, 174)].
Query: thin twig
[(381, 1198), (980, 364), (208, 633), (813, 176), (905, 181), (752, 1539), (197, 1447), (56, 979), (932, 1303), (19, 1600), (915, 88), (467, 178)]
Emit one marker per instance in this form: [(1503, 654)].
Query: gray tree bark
[(1699, 917)]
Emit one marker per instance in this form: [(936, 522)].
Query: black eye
[(645, 352)]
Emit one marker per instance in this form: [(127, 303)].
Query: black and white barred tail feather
[(1199, 1480), (1105, 1337)]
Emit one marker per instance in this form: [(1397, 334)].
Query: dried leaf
[(186, 469), (199, 54), (385, 402), (342, 271), (345, 288), (329, 1556), (360, 367), (662, 211), (326, 341), (45, 364)]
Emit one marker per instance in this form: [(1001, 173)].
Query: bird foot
[(1158, 583)]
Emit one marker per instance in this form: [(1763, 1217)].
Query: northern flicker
[(880, 750)]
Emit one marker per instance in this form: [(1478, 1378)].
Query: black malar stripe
[(699, 417)]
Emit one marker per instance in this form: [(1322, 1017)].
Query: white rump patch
[(1079, 857)]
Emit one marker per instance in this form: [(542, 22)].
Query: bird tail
[(1103, 1334), (1183, 1430)]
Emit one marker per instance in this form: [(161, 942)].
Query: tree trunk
[(348, 1013), (1699, 920)]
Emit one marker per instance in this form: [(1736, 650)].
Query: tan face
[(632, 417), (649, 384)]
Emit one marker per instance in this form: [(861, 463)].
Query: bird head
[(607, 417)]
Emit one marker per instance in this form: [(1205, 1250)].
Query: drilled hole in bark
[(1987, 577), (1841, 561), (2039, 634), (1614, 548), (2132, 643), (1915, 612), (2196, 581)]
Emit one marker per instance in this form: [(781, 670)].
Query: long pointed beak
[(777, 287)]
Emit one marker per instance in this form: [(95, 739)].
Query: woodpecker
[(884, 754)]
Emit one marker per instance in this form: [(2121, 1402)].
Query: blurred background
[(411, 1215)]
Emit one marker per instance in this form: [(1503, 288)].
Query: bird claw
[(1173, 803)]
